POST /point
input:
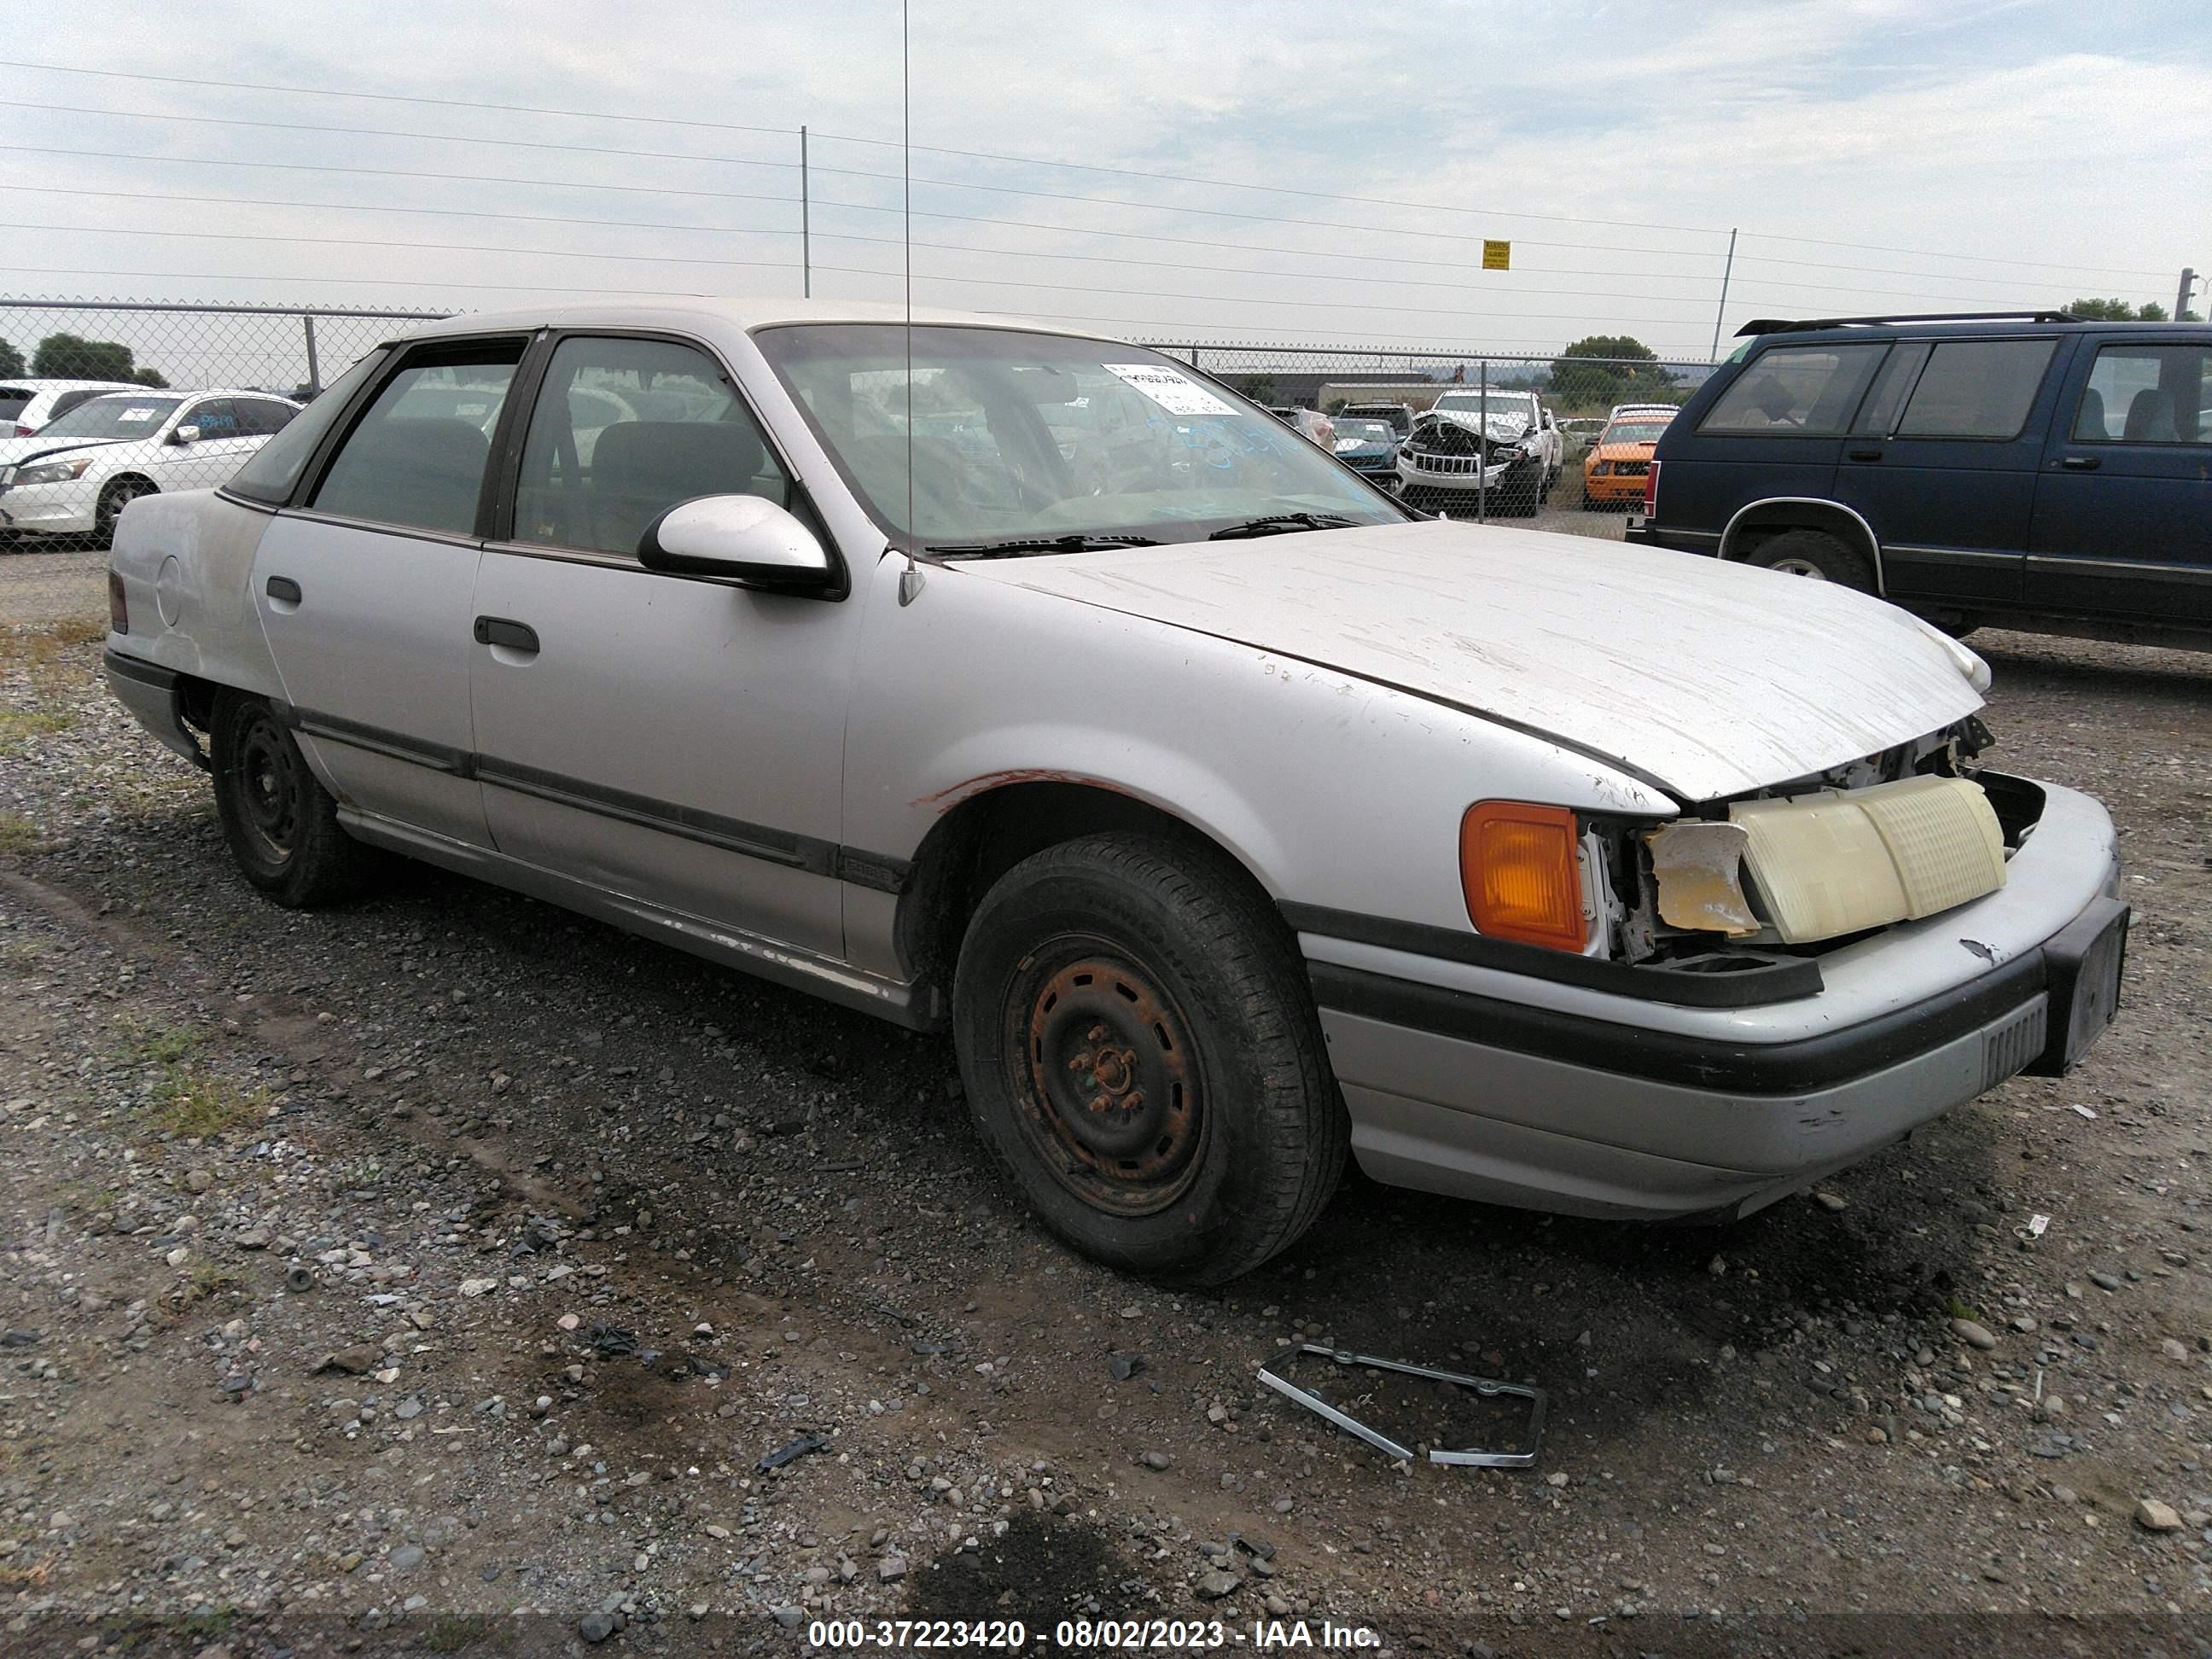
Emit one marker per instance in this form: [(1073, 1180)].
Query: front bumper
[(1625, 490), (1480, 1082), (54, 509)]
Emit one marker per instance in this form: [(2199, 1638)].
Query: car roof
[(740, 312), (1940, 325), (38, 383), (197, 392)]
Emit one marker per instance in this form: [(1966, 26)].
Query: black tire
[(282, 825), (1154, 977), (1816, 555), (1519, 495), (112, 500)]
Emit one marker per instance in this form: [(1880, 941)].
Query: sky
[(1231, 171)]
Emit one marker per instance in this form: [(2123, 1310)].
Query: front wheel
[(1142, 1055), (282, 825)]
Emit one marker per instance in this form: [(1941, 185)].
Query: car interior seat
[(2090, 422), (2150, 417), (425, 472), (639, 469)]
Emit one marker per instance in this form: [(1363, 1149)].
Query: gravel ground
[(583, 1229)]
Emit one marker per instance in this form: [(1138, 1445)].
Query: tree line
[(72, 357)]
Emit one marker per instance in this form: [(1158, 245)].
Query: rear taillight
[(1651, 492), (22, 431), (118, 609)]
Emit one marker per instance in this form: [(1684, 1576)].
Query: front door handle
[(2081, 463), (1866, 454), (283, 589), (501, 631)]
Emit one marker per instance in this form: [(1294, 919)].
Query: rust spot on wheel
[(1110, 1095)]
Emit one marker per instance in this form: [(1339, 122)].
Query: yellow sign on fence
[(1496, 256)]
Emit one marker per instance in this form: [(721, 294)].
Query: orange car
[(1613, 471)]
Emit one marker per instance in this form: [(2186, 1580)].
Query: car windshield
[(1022, 438), (1634, 432), (1363, 432), (124, 415), (1512, 403)]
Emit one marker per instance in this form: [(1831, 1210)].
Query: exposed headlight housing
[(47, 472)]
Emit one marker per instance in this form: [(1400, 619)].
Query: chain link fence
[(1564, 439), (103, 401)]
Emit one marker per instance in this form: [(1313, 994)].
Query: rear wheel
[(1813, 553), (112, 500), (1142, 1055), (282, 825)]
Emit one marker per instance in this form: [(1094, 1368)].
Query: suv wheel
[(1815, 554), (1141, 1053)]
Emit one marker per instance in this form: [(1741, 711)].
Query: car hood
[(1703, 678), (1641, 451)]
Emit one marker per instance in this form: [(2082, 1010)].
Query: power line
[(1022, 160), (392, 132), (379, 281), (394, 173)]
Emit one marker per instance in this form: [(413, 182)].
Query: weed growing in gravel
[(199, 1103), (19, 726), (453, 1632), (53, 657), (159, 1045), (18, 835)]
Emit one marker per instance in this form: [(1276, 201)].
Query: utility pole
[(805, 229), (2181, 298), (1720, 315)]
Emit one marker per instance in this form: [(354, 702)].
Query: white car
[(78, 474), (1516, 413), (26, 406), (1228, 816)]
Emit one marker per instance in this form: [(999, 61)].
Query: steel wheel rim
[(119, 498), (270, 788), (1795, 567), (1104, 1072)]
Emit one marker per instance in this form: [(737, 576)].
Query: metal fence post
[(806, 225), (1482, 442), (314, 367)]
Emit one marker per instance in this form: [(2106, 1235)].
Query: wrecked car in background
[(1229, 817)]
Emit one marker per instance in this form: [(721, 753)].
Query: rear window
[(1976, 388), (1803, 392)]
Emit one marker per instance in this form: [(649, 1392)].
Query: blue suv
[(2017, 469)]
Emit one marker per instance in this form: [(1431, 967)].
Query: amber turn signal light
[(1518, 869)]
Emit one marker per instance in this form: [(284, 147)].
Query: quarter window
[(276, 465), (2148, 395), (1976, 388), (625, 429), (417, 457), (1803, 391)]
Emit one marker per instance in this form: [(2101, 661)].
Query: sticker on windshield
[(1177, 393), (131, 414)]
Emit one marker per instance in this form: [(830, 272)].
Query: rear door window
[(258, 418), (1976, 388), (276, 465), (2147, 394), (13, 400), (416, 457), (1807, 391)]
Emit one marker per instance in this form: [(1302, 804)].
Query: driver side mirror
[(185, 435), (746, 540)]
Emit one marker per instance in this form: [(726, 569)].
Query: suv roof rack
[(1785, 324)]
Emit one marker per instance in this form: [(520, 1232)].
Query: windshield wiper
[(1020, 544), (1279, 524)]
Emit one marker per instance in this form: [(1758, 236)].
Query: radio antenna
[(911, 580)]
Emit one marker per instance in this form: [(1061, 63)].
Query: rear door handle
[(283, 588), (501, 631), (1866, 454), (2081, 463)]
